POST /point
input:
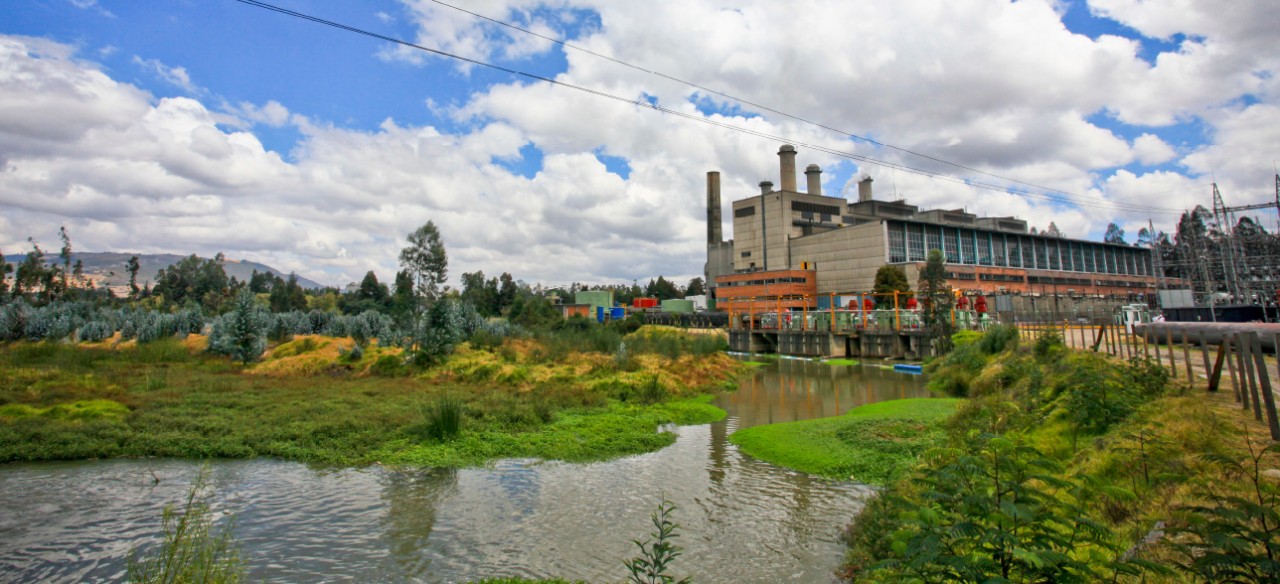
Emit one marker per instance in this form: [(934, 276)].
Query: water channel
[(742, 520)]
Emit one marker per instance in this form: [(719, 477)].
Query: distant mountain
[(107, 268)]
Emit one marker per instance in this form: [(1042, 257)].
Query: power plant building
[(800, 245)]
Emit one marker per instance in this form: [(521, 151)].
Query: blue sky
[(213, 126)]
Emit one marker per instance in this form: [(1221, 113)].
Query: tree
[(288, 296), (426, 262), (241, 333), (132, 266), (662, 289), (34, 277), (261, 282), (1145, 238), (477, 291), (1115, 234), (890, 279), (402, 298), (696, 287), (65, 254), (373, 290), (506, 294), (1052, 231), (6, 268), (194, 279), (935, 301)]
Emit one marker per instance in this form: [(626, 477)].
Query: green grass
[(66, 402), (575, 436), (870, 444), (840, 362)]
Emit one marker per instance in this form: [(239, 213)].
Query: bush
[(241, 333), (192, 550), (657, 552), (442, 420), (95, 331), (1049, 346), (388, 366), (998, 339)]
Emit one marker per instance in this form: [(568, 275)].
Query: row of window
[(787, 280), (801, 206), (910, 242), (1084, 282), (1043, 280)]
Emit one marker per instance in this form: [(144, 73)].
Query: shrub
[(657, 552), (388, 366), (999, 338), (192, 550), (95, 331), (241, 333), (652, 391), (442, 419), (1049, 346)]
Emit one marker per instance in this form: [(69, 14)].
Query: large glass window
[(998, 256), (1111, 261), (984, 248), (1015, 252), (935, 237), (915, 242), (1042, 254), (1089, 264), (1032, 253), (897, 243), (966, 246), (953, 244)]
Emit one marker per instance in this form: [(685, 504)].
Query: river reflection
[(742, 520)]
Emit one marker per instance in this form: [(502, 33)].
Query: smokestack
[(864, 190), (714, 234), (766, 187), (814, 175), (787, 159)]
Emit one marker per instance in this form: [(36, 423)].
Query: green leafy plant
[(657, 552), (1235, 535), (442, 419), (193, 550)]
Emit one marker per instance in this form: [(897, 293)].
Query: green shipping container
[(678, 306), (596, 298)]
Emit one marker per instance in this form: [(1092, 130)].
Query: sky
[(206, 126)]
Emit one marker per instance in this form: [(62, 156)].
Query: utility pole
[(1227, 249)]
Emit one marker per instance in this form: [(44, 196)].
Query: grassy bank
[(870, 444), (310, 399), (1069, 466)]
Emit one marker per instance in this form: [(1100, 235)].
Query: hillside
[(108, 268)]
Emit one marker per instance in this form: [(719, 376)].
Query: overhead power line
[(1050, 195), (746, 101)]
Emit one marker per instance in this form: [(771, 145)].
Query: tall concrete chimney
[(864, 190), (714, 229), (787, 159), (766, 187), (814, 175)]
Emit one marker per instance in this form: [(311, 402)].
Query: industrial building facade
[(835, 246)]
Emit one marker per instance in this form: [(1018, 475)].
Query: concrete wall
[(847, 258)]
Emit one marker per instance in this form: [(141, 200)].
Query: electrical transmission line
[(1049, 195)]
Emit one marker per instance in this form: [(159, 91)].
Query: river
[(741, 520)]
